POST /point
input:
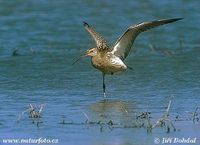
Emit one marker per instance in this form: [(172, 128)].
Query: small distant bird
[(15, 52), (110, 60)]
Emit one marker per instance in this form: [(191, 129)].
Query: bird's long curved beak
[(79, 58)]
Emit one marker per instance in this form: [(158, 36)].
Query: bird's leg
[(104, 86)]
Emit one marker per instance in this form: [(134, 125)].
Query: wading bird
[(110, 60)]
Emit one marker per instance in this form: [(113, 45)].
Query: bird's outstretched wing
[(100, 42), (123, 45)]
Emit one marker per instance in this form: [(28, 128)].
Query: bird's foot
[(104, 95), (105, 99)]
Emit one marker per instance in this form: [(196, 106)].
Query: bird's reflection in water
[(111, 110)]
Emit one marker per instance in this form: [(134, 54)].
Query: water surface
[(53, 29)]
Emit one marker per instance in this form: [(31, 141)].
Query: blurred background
[(39, 40)]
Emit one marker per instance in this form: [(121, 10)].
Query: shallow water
[(53, 29)]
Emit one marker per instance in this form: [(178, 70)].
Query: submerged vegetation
[(34, 112), (144, 120)]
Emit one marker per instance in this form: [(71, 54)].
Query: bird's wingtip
[(171, 20), (179, 18), (85, 24)]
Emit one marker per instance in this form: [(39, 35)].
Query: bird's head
[(91, 52)]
